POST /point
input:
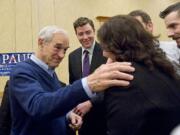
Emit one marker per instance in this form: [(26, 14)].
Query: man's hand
[(110, 74), (83, 108), (75, 120)]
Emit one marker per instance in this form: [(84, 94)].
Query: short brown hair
[(81, 21), (145, 17), (169, 9)]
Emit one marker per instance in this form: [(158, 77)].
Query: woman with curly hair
[(151, 104)]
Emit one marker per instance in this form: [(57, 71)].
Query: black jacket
[(149, 106), (5, 113)]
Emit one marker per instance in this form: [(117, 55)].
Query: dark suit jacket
[(5, 113), (150, 106), (94, 121), (75, 63)]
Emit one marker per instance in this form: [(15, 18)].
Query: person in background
[(150, 104), (39, 103), (169, 47), (171, 16), (5, 113), (91, 110), (143, 18)]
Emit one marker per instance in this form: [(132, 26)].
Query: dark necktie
[(86, 65)]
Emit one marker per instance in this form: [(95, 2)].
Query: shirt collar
[(43, 65), (90, 50)]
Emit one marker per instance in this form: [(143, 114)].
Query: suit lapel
[(79, 63), (97, 54)]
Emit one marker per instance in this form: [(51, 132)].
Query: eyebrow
[(171, 25), (61, 45)]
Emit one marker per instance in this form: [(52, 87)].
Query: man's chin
[(178, 45), (87, 46), (178, 42), (54, 66)]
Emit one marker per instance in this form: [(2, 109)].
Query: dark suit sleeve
[(98, 99), (5, 116)]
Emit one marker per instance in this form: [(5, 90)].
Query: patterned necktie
[(86, 65)]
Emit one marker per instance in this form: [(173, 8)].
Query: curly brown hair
[(126, 38)]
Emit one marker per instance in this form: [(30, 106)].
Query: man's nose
[(85, 36), (61, 54)]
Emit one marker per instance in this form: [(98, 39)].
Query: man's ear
[(40, 42)]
